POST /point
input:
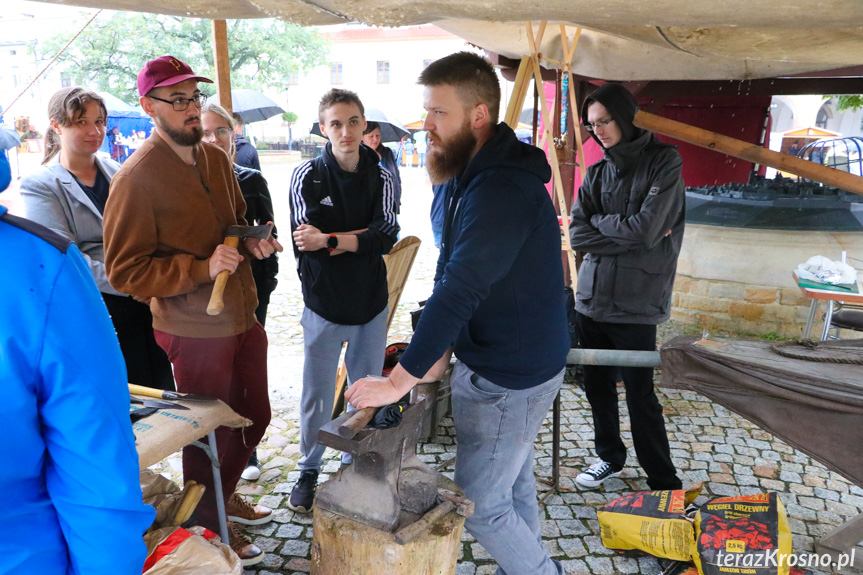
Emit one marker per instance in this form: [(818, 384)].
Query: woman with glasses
[(68, 195), (219, 130)]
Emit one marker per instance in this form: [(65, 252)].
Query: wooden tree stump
[(342, 546)]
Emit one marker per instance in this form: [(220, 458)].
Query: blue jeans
[(495, 429)]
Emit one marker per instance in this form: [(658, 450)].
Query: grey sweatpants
[(322, 345)]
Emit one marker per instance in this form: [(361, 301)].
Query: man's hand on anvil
[(373, 391), (262, 249)]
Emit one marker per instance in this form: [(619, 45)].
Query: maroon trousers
[(233, 369)]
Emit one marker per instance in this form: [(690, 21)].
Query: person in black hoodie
[(628, 218), (343, 219), (247, 154), (497, 303)]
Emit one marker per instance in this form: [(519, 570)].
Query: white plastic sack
[(821, 269)]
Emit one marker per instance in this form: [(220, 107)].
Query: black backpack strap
[(316, 175)]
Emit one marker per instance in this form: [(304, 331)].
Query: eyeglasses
[(600, 124), (219, 132), (182, 104)]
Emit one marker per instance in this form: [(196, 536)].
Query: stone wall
[(740, 308), (739, 280)]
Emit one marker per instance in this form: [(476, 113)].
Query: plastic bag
[(745, 534), (821, 269), (651, 521), (177, 551), (163, 494)]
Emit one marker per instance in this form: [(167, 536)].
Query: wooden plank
[(223, 64), (519, 93), (579, 145), (555, 166), (750, 152), (399, 262)]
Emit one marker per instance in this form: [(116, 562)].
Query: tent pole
[(222, 64), (568, 53), (548, 137)]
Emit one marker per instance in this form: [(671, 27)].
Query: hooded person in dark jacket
[(497, 303), (628, 218)]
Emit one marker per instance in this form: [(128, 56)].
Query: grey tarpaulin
[(813, 406)]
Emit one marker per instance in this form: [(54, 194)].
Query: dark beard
[(448, 159), (184, 138)]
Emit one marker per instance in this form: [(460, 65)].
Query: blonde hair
[(66, 106), (223, 114)]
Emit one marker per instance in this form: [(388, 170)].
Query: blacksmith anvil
[(386, 481)]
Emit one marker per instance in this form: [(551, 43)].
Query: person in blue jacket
[(5, 171), (72, 498), (498, 303)]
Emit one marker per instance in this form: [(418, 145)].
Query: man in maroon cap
[(165, 222)]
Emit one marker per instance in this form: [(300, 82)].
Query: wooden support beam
[(750, 152), (566, 246), (519, 93), (573, 101), (222, 64), (568, 53)]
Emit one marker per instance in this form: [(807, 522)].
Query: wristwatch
[(332, 242)]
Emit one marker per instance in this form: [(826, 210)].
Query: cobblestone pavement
[(729, 454)]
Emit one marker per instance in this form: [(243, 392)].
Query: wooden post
[(342, 546), (399, 262), (750, 152), (547, 136), (573, 102), (222, 64), (568, 53), (519, 93)]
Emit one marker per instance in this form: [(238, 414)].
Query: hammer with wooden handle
[(232, 239), (357, 421)]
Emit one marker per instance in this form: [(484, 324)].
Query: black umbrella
[(252, 106), (9, 138), (391, 129)]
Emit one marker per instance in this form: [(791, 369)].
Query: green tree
[(847, 102), (109, 53), (290, 119)]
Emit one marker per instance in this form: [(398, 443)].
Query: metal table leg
[(828, 317), (213, 453), (813, 307), (554, 482)]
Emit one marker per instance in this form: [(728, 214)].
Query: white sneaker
[(594, 475), (251, 473)]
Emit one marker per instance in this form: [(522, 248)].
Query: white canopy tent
[(622, 39)]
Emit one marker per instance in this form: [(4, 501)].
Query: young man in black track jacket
[(343, 219)]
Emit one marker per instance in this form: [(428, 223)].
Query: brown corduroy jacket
[(163, 220)]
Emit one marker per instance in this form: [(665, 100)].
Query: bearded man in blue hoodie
[(497, 304)]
